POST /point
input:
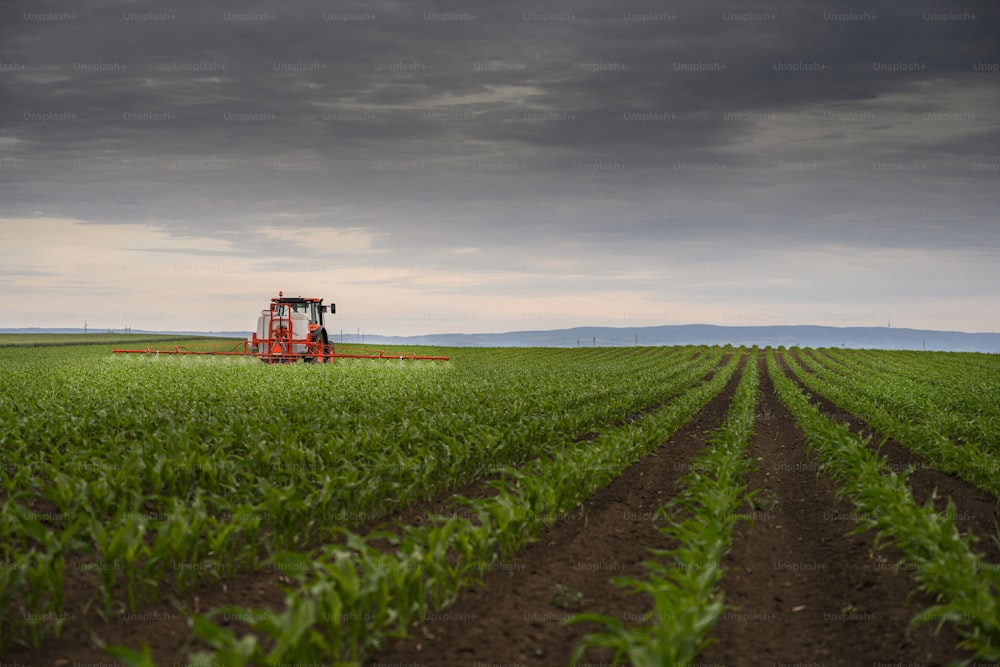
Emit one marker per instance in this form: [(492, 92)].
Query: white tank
[(299, 323)]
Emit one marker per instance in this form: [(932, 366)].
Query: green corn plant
[(65, 492), (444, 566), (13, 575), (182, 540), (127, 656), (229, 651), (120, 550), (42, 575), (349, 600), (38, 574)]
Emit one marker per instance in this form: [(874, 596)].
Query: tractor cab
[(303, 308), (311, 308)]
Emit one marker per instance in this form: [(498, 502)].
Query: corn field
[(133, 486)]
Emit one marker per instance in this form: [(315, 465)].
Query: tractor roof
[(295, 299)]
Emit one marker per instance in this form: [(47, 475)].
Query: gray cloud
[(609, 134)]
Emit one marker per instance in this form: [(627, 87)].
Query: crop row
[(958, 392), (185, 427), (941, 560), (910, 413), (933, 368), (352, 596), (157, 466), (683, 581)]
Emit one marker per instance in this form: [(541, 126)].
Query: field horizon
[(813, 336)]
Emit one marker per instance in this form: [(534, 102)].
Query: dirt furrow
[(804, 590), (976, 511), (516, 615)]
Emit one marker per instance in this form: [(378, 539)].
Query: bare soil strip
[(805, 590), (516, 616), (976, 511)]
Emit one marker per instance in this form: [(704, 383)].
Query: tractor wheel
[(320, 341)]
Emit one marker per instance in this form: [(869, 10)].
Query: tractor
[(292, 328), (288, 330)]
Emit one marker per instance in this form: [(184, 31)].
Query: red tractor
[(292, 328)]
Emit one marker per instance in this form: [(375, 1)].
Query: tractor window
[(310, 309), (307, 308)]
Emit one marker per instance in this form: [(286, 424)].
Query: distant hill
[(884, 338), (707, 334)]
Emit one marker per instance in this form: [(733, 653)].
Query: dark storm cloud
[(593, 129)]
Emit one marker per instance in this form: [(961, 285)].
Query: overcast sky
[(497, 166)]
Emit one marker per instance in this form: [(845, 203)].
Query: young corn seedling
[(120, 549), (441, 562), (14, 624), (183, 540), (44, 591)]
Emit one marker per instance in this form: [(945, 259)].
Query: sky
[(436, 167)]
